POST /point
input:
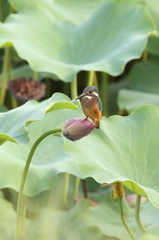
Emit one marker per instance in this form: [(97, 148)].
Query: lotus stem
[(4, 79), (90, 78), (104, 93), (11, 9), (23, 218), (77, 184), (2, 11), (66, 187), (137, 214), (48, 87), (124, 220), (84, 187), (66, 88), (20, 204), (11, 77), (14, 102), (35, 76), (95, 80), (74, 92), (145, 55)]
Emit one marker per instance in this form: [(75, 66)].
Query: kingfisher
[(91, 104)]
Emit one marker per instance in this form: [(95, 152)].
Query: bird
[(91, 104)]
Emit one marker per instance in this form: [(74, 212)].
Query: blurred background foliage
[(96, 43), (63, 46)]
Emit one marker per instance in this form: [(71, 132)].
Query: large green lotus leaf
[(7, 220), (5, 10), (106, 216), (144, 86), (143, 76), (113, 89), (13, 123), (153, 45), (20, 5), (3, 108), (149, 237), (115, 33), (129, 99), (153, 8), (72, 11), (68, 225), (49, 159), (125, 149), (150, 219)]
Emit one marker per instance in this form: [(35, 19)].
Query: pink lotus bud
[(76, 128)]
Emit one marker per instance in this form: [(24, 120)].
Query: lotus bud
[(77, 128)]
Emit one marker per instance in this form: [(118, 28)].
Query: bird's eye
[(90, 92)]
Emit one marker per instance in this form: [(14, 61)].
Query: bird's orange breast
[(91, 110)]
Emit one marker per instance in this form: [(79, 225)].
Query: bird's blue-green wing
[(100, 104)]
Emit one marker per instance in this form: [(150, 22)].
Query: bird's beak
[(80, 96)]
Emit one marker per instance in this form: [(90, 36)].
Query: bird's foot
[(85, 119)]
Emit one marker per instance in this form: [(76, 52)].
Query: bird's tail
[(97, 123)]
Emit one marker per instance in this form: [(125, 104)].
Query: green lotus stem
[(4, 78), (20, 204), (124, 220), (35, 76), (145, 55), (74, 92), (14, 102), (84, 187), (104, 93), (66, 187), (10, 71), (23, 218), (11, 77), (77, 184), (2, 11), (90, 78), (11, 9), (48, 87), (66, 88), (95, 80), (137, 214)]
